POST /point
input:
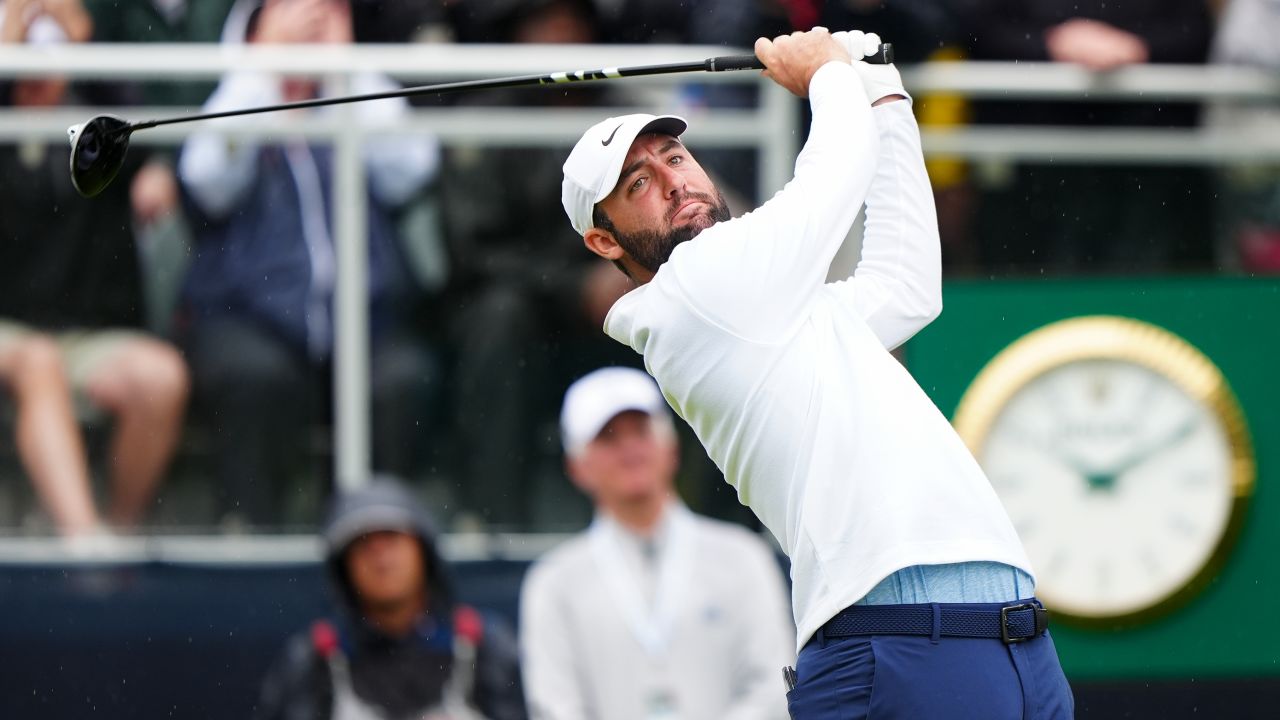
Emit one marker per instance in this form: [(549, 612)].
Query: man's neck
[(641, 517), (397, 620)]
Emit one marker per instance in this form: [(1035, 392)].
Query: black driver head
[(98, 148)]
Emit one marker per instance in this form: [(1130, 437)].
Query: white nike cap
[(598, 397), (593, 167)]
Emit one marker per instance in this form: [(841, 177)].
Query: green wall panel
[(1232, 628)]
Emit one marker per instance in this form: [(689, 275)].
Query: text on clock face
[(1117, 481)]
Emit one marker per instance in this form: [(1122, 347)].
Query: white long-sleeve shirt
[(699, 630), (788, 381)]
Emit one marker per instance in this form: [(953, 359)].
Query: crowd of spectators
[(207, 270)]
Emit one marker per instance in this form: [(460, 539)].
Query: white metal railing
[(250, 550), (771, 128), (426, 62)]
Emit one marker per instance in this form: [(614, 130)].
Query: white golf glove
[(878, 80)]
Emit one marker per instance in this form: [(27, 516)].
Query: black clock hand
[(1059, 451)]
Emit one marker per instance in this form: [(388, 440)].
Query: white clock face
[(1118, 481)]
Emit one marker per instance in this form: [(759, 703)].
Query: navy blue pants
[(916, 677)]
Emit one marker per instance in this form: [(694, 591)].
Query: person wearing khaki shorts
[(71, 290), (54, 380)]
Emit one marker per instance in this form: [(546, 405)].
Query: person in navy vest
[(257, 306)]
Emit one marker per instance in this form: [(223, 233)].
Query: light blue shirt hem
[(967, 582)]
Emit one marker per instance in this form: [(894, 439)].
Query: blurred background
[(266, 311)]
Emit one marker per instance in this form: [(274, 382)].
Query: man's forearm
[(888, 99), (897, 285)]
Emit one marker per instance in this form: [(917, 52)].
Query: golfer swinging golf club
[(912, 595)]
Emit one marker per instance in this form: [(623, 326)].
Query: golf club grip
[(883, 56)]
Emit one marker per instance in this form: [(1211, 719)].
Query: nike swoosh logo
[(609, 139)]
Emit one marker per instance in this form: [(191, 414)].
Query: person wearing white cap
[(911, 592), (653, 612)]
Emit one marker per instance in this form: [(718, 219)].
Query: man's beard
[(651, 248)]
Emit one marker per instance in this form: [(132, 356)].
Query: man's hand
[(18, 16), (1095, 45), (338, 30), (154, 192), (72, 17), (791, 60), (881, 82)]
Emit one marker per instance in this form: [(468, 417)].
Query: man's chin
[(697, 223)]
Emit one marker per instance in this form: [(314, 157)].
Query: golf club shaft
[(716, 64)]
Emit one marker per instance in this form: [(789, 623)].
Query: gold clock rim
[(1112, 337)]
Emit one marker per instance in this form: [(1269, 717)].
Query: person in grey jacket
[(653, 611)]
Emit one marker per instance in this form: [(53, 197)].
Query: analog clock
[(1122, 458)]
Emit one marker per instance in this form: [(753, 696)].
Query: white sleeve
[(217, 170), (398, 165), (897, 285), (547, 657), (768, 641), (754, 275)]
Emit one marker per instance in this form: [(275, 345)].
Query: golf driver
[(99, 145)]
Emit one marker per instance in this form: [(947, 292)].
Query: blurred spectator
[(653, 611), (163, 236), (258, 299), (401, 645), (731, 24), (523, 21), (70, 306), (680, 22), (1249, 195), (917, 28), (398, 21), (161, 21), (527, 306), (727, 23), (1101, 218)]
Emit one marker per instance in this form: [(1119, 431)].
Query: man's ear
[(573, 467), (603, 243)]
